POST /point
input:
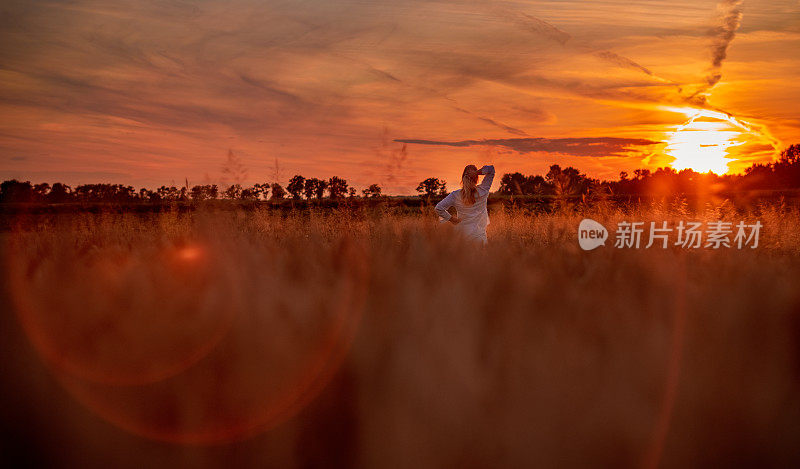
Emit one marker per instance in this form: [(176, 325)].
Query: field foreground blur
[(341, 339)]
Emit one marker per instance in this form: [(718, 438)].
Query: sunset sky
[(153, 92)]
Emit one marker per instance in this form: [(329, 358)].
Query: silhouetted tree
[(204, 192), (781, 174), (351, 192), (321, 186), (787, 168), (169, 194), (518, 184), (234, 191), (337, 187), (310, 187), (314, 187), (261, 191), (296, 185), (568, 181), (431, 187), (256, 192), (561, 182), (277, 191), (105, 193), (536, 185), (512, 184), (40, 192), (373, 190), (15, 191), (146, 195), (59, 193)]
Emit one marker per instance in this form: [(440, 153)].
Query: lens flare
[(122, 318), (193, 343)]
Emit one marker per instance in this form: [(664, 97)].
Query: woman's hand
[(455, 220), (481, 172)]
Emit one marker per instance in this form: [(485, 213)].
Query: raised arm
[(488, 177), (443, 205)]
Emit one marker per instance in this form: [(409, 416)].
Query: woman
[(470, 202)]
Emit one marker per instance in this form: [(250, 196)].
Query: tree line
[(780, 175), (298, 188), (783, 174)]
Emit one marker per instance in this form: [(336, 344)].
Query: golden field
[(373, 338)]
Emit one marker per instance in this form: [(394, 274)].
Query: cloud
[(548, 31), (493, 122), (726, 31), (583, 146), (434, 93), (534, 25), (729, 20), (621, 61), (162, 88)]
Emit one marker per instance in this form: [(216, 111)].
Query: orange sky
[(152, 92)]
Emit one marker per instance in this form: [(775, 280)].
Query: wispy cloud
[(585, 146), (533, 24), (161, 89)]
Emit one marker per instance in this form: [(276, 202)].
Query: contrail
[(723, 34), (625, 62), (453, 103), (548, 31), (534, 25), (488, 120)]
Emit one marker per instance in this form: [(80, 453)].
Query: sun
[(702, 143)]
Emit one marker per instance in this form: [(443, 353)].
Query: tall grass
[(375, 339)]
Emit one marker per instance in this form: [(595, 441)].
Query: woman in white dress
[(470, 202)]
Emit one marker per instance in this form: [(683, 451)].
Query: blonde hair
[(469, 183)]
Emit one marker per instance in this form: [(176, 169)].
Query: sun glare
[(702, 144)]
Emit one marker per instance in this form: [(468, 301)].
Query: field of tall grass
[(368, 338)]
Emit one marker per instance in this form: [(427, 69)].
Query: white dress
[(475, 217)]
